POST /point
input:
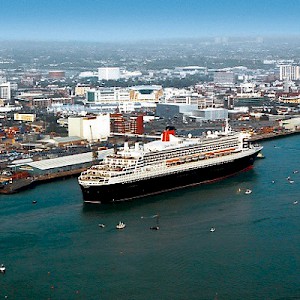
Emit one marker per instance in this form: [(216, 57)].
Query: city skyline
[(132, 20)]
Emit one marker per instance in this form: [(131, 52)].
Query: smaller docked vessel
[(121, 225)]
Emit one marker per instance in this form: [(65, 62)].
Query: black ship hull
[(169, 182)]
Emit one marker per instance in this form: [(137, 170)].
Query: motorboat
[(121, 225), (2, 269), (101, 225), (248, 191), (291, 181), (213, 229), (295, 202), (154, 227), (34, 202), (296, 171)]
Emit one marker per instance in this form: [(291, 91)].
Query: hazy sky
[(128, 20)]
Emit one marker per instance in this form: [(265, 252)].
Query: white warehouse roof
[(63, 161)]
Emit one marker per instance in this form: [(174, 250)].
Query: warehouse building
[(69, 164)]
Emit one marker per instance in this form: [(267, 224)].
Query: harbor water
[(55, 248)]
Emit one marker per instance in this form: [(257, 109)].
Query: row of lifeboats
[(200, 156)]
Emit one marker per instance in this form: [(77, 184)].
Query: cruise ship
[(167, 164)]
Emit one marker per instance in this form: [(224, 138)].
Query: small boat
[(248, 191), (213, 229), (288, 178), (2, 269), (260, 155), (295, 202), (121, 225), (291, 181), (34, 202), (273, 181), (154, 227), (296, 171), (101, 225)]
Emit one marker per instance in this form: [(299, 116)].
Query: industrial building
[(109, 73), (224, 78), (91, 128), (210, 114), (55, 167), (56, 74), (169, 110), (25, 117)]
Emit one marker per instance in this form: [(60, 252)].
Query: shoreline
[(268, 136)]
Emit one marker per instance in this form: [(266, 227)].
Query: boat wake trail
[(149, 217)]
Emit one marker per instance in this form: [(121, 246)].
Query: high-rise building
[(289, 72), (5, 91)]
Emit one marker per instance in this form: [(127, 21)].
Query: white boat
[(295, 202), (121, 225), (2, 269), (213, 229), (291, 181), (296, 171), (260, 155), (248, 191), (101, 225), (154, 227)]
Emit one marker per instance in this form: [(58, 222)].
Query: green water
[(54, 249)]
